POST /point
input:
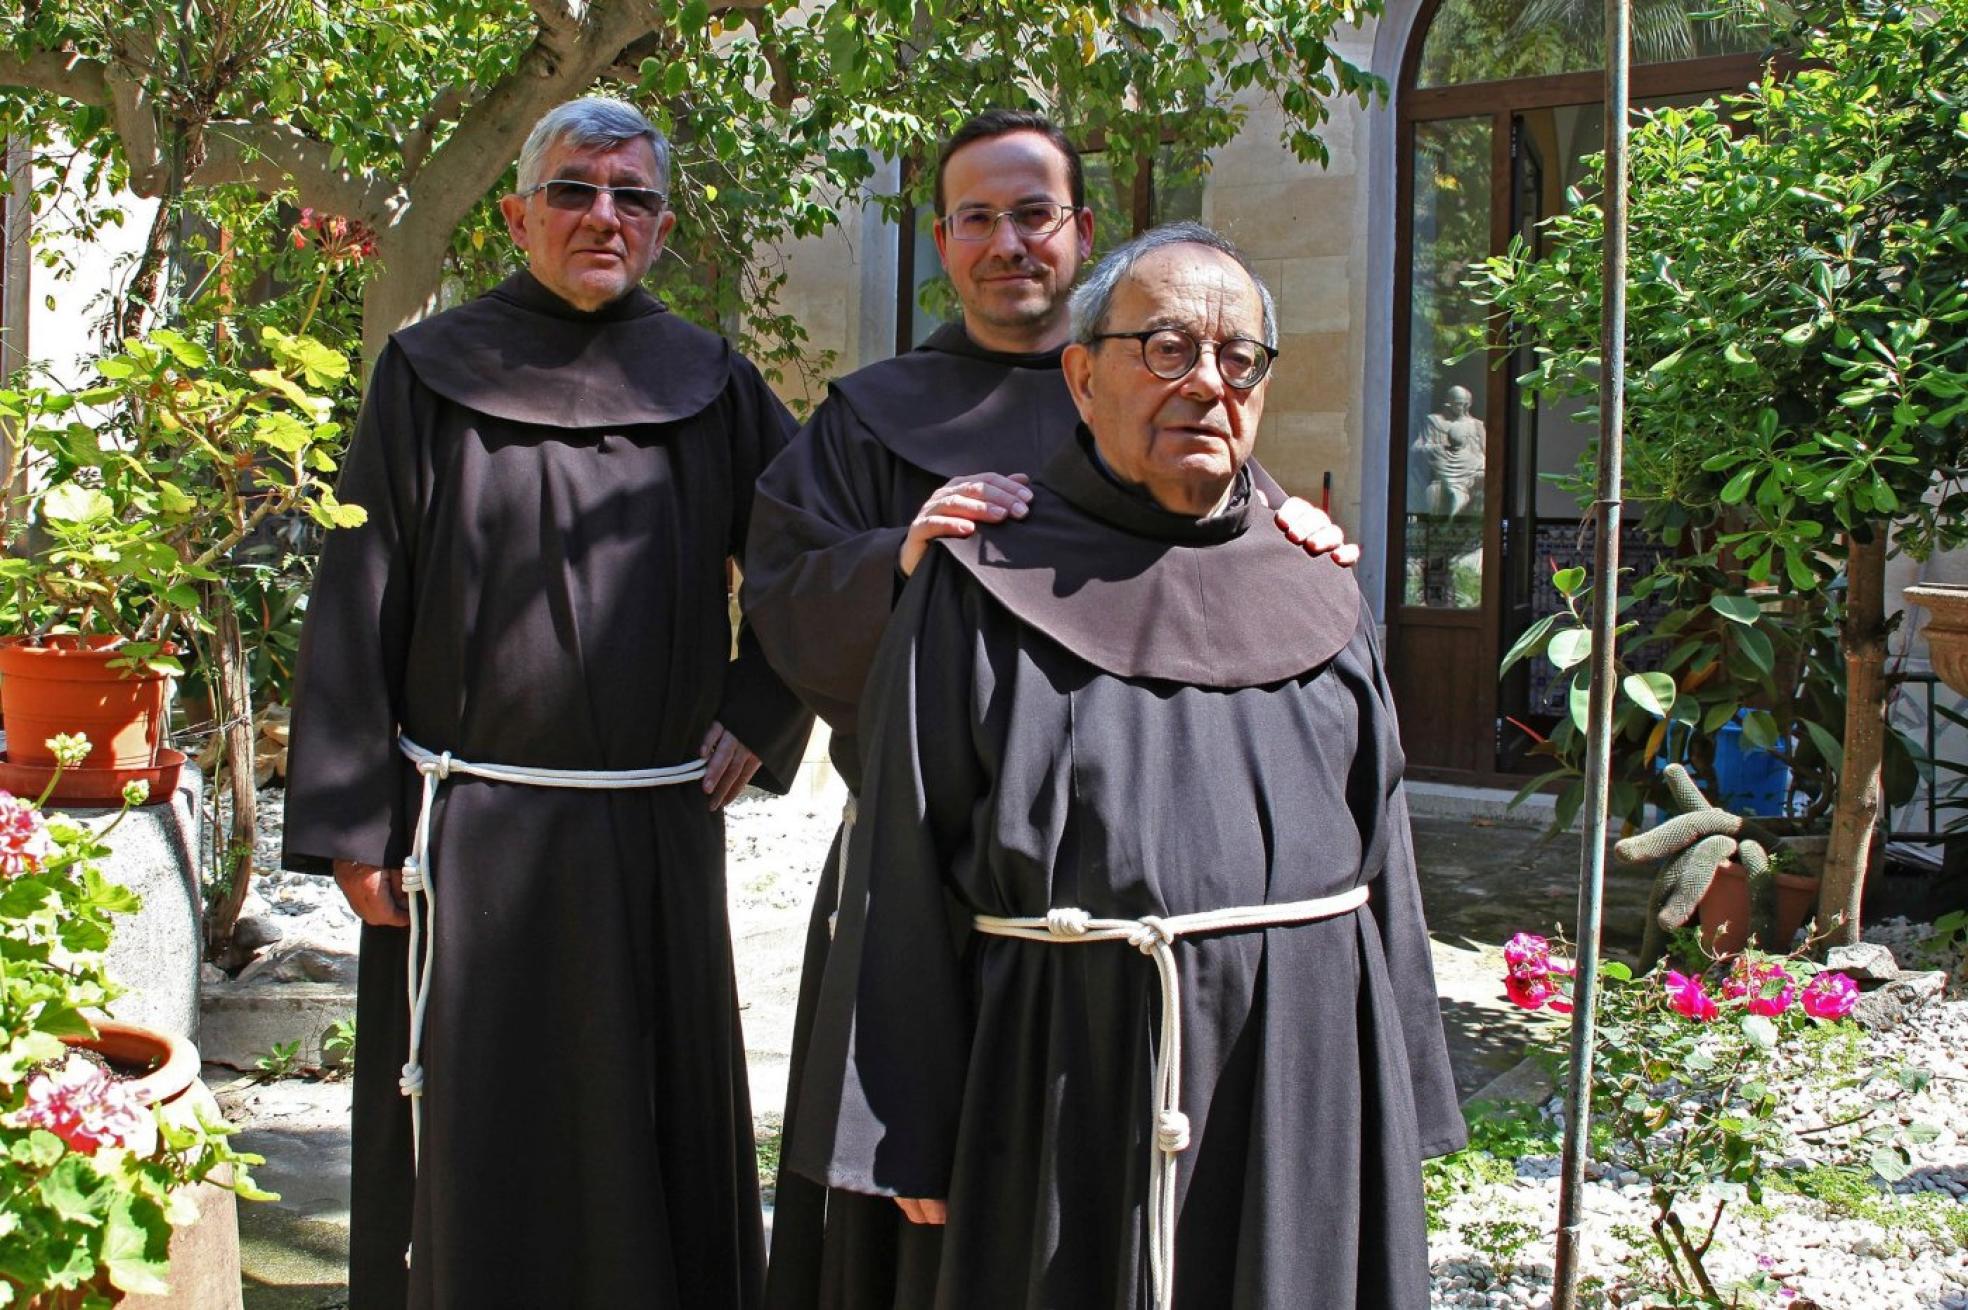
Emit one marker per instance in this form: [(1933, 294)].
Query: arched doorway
[(1499, 107)]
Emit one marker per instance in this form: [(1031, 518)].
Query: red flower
[(1767, 987), (1689, 999), (24, 839), (1830, 996), (83, 1106), (339, 239)]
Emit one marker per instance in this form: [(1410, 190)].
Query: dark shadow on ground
[(1484, 1042)]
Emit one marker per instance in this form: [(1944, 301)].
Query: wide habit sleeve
[(884, 1075), (820, 565), (1395, 896), (344, 793), (758, 707)]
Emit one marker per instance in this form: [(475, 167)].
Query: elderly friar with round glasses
[(1130, 989), (516, 721)]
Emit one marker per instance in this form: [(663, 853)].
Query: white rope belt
[(422, 896), (1155, 937)]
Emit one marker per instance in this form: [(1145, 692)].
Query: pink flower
[(1527, 955), (1830, 996), (1527, 974), (24, 839), (1767, 986), (83, 1106), (1688, 998)]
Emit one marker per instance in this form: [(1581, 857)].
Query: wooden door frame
[(1500, 102)]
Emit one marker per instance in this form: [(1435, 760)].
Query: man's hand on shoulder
[(728, 765), (376, 895), (1310, 527), (958, 506)]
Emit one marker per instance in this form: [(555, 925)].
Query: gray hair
[(1094, 297), (585, 124)]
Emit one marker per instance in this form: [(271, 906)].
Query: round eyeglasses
[(1040, 218), (630, 201), (1171, 352)]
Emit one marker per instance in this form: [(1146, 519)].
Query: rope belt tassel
[(418, 891), (1155, 936)]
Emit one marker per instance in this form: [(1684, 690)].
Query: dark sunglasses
[(579, 197)]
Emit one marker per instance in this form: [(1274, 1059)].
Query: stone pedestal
[(154, 954)]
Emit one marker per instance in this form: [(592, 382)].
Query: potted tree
[(141, 490)]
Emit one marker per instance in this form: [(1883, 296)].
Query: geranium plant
[(1684, 1086), (91, 1179)]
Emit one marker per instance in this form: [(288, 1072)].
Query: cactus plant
[(1690, 847)]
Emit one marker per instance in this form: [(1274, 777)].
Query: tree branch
[(273, 157), (450, 102), (559, 16), (491, 131), (57, 72), (136, 126)]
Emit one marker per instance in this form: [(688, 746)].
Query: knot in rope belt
[(1155, 936), (436, 767)]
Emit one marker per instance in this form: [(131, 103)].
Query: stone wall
[(1305, 228)]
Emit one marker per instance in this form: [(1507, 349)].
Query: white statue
[(1445, 464)]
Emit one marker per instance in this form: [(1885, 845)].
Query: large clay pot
[(1725, 914), (66, 685), (1946, 630), (204, 1253)]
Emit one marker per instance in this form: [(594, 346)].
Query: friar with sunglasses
[(517, 720), (1130, 994), (898, 456)]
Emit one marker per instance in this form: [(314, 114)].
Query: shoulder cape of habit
[(521, 353), (1140, 592), (929, 406)]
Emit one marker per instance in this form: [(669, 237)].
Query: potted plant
[(141, 491), (101, 1166)]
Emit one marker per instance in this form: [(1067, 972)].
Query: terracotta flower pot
[(1724, 911), (66, 684), (204, 1253)]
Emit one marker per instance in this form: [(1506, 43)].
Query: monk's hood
[(521, 353), (930, 406), (1140, 592)]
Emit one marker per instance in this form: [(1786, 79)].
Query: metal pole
[(1599, 715)]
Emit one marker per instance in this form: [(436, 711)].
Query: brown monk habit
[(820, 581), (1123, 710), (552, 496)]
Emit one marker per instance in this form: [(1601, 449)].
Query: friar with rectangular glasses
[(931, 443), (1130, 989)]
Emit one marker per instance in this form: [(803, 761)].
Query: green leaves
[(1571, 646), (137, 1246), (1736, 609), (76, 506), (1652, 692), (318, 365)]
